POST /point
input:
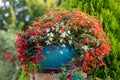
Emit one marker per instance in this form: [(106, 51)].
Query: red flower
[(35, 61), (62, 30), (75, 27), (85, 68), (38, 20), (85, 63), (23, 57), (19, 34), (36, 56), (9, 57), (51, 24), (37, 45), (91, 23), (68, 23), (89, 72), (33, 72), (58, 16), (86, 55), (90, 27), (37, 24), (45, 20), (74, 21), (21, 43), (86, 40), (43, 30), (98, 52), (93, 65), (91, 51), (90, 58), (102, 64), (26, 69), (48, 13), (42, 57), (29, 32), (38, 52), (82, 22), (69, 75), (105, 48), (20, 50), (97, 29), (80, 68), (77, 13)]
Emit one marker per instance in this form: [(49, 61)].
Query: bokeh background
[(17, 15)]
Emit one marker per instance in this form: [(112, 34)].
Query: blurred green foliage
[(22, 76), (108, 11), (7, 69), (19, 14)]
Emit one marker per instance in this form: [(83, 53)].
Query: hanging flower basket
[(69, 30)]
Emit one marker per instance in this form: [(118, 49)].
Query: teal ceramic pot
[(76, 78), (56, 57)]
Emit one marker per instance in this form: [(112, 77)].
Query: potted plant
[(59, 35), (71, 71)]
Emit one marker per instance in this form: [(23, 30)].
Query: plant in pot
[(52, 40), (72, 72)]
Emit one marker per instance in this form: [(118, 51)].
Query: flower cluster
[(73, 28), (9, 57)]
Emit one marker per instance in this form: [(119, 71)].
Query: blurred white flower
[(57, 25), (63, 45), (69, 32), (48, 34), (50, 38), (51, 34), (53, 28), (57, 29), (61, 52), (63, 34), (85, 47), (47, 42), (70, 42), (61, 40), (48, 30)]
